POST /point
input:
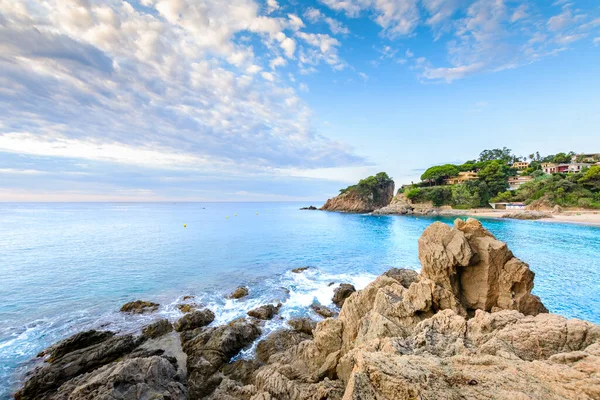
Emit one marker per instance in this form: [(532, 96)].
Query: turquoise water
[(68, 267)]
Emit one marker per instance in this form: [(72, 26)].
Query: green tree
[(562, 158), (439, 172), (440, 196), (503, 154), (591, 178), (495, 175)]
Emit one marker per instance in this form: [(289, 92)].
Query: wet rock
[(78, 341), (241, 370), (188, 297), (186, 308), (157, 329), (209, 349), (265, 312), (278, 342), (139, 378), (139, 307), (322, 310), (309, 208), (299, 270), (49, 377), (304, 325), (196, 319), (341, 293), (238, 293), (404, 276)]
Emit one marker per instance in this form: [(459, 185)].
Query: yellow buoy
[(235, 215), (227, 217), (256, 213), (185, 225)]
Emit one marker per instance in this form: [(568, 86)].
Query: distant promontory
[(368, 195)]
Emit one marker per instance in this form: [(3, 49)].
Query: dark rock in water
[(304, 325), (186, 308), (137, 378), (238, 293), (194, 320), (76, 342), (188, 297), (404, 276), (322, 311), (341, 293), (299, 270), (241, 370), (265, 312), (309, 208), (139, 307), (157, 329), (209, 349), (50, 377), (278, 342)]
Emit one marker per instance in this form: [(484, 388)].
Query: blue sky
[(248, 100)]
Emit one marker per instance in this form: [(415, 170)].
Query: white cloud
[(596, 41), (325, 48), (181, 85), (303, 87), (520, 13), (295, 22), (272, 6), (337, 28)]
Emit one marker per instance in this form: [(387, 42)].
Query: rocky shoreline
[(467, 326)]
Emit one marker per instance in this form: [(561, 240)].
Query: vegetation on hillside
[(493, 170), (566, 190)]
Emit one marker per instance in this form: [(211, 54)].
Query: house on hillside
[(586, 158), (520, 165), (577, 167), (515, 182), (461, 178), (549, 168)]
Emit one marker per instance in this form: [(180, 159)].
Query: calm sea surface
[(68, 267)]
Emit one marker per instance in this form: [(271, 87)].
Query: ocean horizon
[(68, 267)]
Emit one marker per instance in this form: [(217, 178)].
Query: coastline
[(590, 218), (578, 217)]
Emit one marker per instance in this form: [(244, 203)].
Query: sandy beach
[(585, 217)]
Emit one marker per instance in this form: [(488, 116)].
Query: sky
[(273, 100)]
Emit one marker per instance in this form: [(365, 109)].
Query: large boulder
[(278, 342), (139, 307), (157, 329), (239, 292), (196, 319), (265, 312), (341, 293), (208, 349), (475, 271)]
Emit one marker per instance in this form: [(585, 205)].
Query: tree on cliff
[(439, 172), (591, 178), (495, 175), (503, 154)]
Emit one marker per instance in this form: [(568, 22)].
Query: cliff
[(368, 195), (466, 327)]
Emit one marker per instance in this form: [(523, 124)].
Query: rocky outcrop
[(527, 215), (311, 208), (194, 320), (139, 307), (265, 312), (473, 270), (467, 326), (399, 205), (322, 310), (299, 270), (238, 293), (157, 329), (370, 194), (341, 293), (209, 349)]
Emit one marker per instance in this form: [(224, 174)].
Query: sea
[(68, 267)]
